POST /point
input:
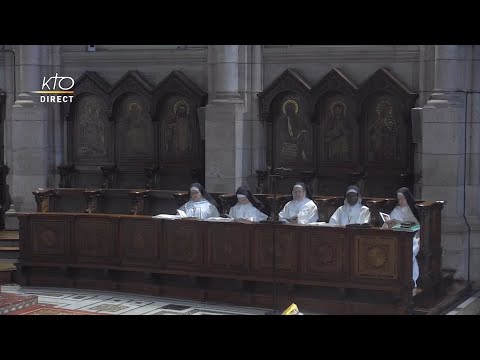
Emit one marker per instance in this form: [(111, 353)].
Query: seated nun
[(301, 210), (248, 209), (201, 204), (405, 211), (352, 211)]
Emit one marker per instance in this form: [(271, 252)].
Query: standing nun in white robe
[(405, 211), (248, 209), (301, 210), (352, 211), (201, 204)]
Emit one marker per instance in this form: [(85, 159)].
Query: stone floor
[(470, 306), (115, 303)]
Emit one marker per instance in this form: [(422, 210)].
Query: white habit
[(247, 211), (404, 214), (305, 210), (347, 214), (201, 209)]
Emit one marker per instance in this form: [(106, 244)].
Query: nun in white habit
[(301, 210), (248, 209), (201, 204), (405, 211), (352, 211)]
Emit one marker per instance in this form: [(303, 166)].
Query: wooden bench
[(152, 202), (322, 269)]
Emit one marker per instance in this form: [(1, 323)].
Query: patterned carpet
[(50, 310), (61, 301)]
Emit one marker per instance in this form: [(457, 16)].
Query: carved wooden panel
[(50, 238), (179, 135), (92, 131), (286, 250), (293, 132), (385, 130), (376, 257), (95, 240), (228, 247), (358, 135), (325, 255), (134, 131), (339, 130), (183, 244), (138, 241)]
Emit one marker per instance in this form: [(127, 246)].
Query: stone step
[(9, 242), (456, 292), (9, 252), (470, 306), (9, 238), (9, 235)]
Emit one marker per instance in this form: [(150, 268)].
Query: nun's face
[(298, 193), (195, 195), (243, 200), (401, 200), (352, 198)]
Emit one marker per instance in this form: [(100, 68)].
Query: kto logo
[(58, 87)]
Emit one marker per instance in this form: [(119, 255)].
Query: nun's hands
[(392, 222), (293, 220)]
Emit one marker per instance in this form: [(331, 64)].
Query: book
[(181, 213), (166, 216), (399, 227), (385, 217)]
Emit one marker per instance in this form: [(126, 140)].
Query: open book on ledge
[(180, 215), (412, 228)]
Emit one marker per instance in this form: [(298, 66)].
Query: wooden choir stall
[(334, 270)]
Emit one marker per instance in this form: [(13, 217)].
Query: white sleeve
[(284, 213), (183, 207), (213, 211), (334, 219), (395, 215), (232, 211), (260, 216), (364, 216), (308, 214)]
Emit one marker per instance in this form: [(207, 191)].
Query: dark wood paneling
[(336, 270), (182, 247), (96, 240), (139, 242)]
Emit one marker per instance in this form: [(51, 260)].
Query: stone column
[(29, 133), (258, 128), (226, 72), (224, 123), (443, 152), (472, 191)]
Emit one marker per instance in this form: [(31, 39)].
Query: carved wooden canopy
[(337, 133), (134, 128)]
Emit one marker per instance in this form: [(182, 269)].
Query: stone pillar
[(443, 152), (226, 72), (258, 127), (224, 123), (29, 133), (472, 191)]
